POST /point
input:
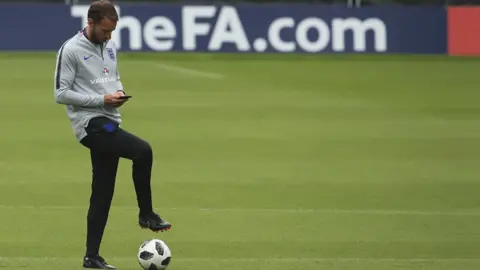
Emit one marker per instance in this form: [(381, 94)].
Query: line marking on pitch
[(265, 210), (190, 71), (275, 259)]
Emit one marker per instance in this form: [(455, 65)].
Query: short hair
[(102, 9)]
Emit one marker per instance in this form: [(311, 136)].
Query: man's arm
[(119, 82), (64, 77)]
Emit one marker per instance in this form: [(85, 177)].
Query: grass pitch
[(261, 162)]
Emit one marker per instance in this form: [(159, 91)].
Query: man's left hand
[(120, 93)]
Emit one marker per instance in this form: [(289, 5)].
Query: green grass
[(261, 162)]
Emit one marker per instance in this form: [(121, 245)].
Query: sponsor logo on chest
[(105, 78)]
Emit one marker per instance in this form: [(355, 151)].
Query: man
[(87, 81)]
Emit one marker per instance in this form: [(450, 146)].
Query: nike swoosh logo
[(86, 57)]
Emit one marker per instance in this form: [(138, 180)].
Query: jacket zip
[(102, 48), (101, 51)]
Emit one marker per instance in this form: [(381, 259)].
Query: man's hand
[(120, 93), (113, 99)]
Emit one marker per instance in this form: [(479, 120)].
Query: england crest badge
[(111, 54)]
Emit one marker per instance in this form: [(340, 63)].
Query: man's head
[(102, 21)]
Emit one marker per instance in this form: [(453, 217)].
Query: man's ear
[(90, 22)]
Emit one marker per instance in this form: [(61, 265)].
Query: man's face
[(102, 31)]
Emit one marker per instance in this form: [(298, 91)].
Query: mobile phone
[(124, 97)]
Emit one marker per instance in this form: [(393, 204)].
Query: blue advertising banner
[(273, 28)]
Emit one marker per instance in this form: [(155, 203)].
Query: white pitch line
[(274, 259), (189, 71), (266, 210)]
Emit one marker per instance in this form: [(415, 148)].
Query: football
[(154, 255)]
